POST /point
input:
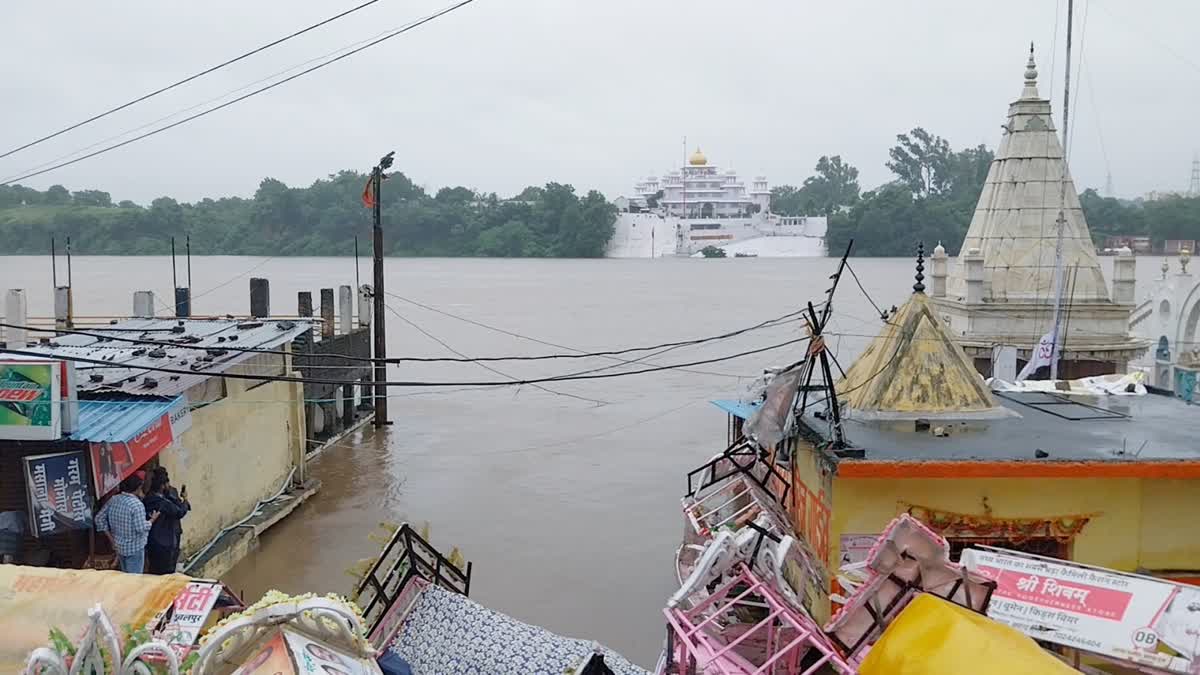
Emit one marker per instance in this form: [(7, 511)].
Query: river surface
[(567, 501)]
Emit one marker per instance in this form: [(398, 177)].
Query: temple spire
[(919, 287), (1030, 90)]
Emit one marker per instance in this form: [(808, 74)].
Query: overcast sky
[(507, 93)]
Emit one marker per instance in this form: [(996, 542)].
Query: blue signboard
[(59, 499)]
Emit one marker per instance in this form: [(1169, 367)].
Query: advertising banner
[(113, 462), (191, 609), (1108, 613), (59, 497), (30, 400)]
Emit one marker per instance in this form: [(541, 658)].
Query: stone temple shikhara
[(1000, 290)]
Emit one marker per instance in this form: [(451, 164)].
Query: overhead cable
[(189, 78), (243, 97)]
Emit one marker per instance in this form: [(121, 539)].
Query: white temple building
[(699, 205), (1167, 316), (1000, 291)]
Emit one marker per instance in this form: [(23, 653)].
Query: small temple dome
[(697, 158)]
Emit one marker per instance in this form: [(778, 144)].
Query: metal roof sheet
[(120, 420), (739, 409), (198, 346)]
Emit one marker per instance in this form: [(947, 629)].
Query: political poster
[(58, 491), (1122, 616), (114, 461)]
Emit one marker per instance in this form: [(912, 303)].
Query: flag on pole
[(1043, 355), (368, 194)]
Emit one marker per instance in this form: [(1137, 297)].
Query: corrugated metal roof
[(120, 420), (200, 349), (739, 409)]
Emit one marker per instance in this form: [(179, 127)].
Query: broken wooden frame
[(407, 556)]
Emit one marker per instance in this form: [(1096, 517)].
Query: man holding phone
[(123, 519), (162, 547)]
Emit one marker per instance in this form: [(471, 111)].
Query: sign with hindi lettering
[(190, 610), (1104, 612), (59, 499)]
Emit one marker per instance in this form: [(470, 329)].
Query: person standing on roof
[(123, 519), (162, 547)]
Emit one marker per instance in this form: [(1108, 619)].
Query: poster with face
[(272, 659), (315, 658)]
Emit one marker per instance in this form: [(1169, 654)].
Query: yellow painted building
[(1111, 481)]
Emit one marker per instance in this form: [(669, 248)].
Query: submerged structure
[(1001, 289), (699, 205)]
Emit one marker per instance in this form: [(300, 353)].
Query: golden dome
[(697, 158)]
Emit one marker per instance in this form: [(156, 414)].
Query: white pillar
[(63, 316), (345, 309), (939, 271), (1123, 277), (16, 313), (974, 262), (364, 305), (143, 304)]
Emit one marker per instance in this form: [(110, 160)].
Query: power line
[(190, 78), (882, 314), (243, 97), (416, 383), (786, 318), (486, 367), (576, 354)]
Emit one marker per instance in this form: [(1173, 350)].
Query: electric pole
[(381, 413)]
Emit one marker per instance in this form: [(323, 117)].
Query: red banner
[(113, 462)]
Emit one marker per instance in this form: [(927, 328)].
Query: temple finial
[(1031, 74), (919, 287)]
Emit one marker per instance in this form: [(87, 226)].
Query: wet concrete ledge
[(236, 544), (318, 447)]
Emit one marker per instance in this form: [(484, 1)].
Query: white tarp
[(1128, 384)]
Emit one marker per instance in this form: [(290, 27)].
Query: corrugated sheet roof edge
[(119, 419)]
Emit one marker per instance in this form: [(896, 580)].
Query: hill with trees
[(322, 219)]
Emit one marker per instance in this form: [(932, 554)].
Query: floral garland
[(274, 597), (1017, 530)]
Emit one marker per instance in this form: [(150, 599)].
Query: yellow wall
[(239, 450), (1140, 523), (1170, 509)]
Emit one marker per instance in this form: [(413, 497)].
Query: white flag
[(1043, 355)]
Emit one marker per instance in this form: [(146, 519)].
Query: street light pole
[(381, 411)]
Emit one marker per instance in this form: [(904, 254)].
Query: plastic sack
[(934, 637)]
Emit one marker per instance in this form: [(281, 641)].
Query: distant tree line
[(933, 198), (322, 219)]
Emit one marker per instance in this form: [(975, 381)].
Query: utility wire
[(486, 367), (415, 383), (243, 97), (882, 314), (191, 77), (576, 354)]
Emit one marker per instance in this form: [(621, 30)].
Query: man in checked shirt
[(124, 520)]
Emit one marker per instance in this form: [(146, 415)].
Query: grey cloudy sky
[(506, 93)]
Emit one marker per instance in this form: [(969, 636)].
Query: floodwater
[(567, 501)]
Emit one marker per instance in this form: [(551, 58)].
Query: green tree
[(57, 195), (91, 198), (921, 161)]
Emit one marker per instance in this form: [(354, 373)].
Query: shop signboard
[(58, 491), (189, 612), (112, 462), (1121, 616), (30, 400)]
